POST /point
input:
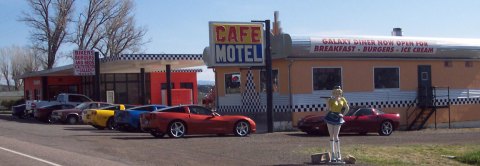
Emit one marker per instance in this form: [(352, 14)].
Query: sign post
[(268, 74), (245, 45), (87, 63)]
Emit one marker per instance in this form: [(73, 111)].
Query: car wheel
[(177, 129), (111, 124), (242, 128), (157, 134), (386, 128), (50, 120), (72, 120)]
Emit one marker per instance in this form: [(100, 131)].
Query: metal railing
[(436, 102)]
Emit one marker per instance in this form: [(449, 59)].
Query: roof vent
[(397, 32)]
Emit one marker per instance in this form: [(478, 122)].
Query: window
[(263, 81), (232, 83), (77, 98), (54, 107), (144, 108), (424, 76), (109, 78), (386, 78), (133, 77), (199, 110), (110, 108), (133, 93), (363, 111), (27, 95), (35, 94), (121, 92), (186, 85), (66, 106), (120, 77), (164, 85), (326, 78), (175, 109), (129, 106)]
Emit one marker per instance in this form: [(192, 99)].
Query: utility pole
[(268, 72)]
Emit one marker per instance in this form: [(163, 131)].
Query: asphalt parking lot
[(84, 145)]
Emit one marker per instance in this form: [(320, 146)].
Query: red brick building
[(121, 80)]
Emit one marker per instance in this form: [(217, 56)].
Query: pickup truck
[(62, 98)]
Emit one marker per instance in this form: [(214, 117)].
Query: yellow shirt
[(336, 106)]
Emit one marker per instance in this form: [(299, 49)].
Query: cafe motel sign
[(237, 44)]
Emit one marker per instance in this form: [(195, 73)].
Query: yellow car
[(102, 118)]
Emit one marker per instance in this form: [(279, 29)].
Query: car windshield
[(351, 112), (110, 107), (141, 108), (82, 106), (379, 111)]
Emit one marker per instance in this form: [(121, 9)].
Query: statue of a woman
[(337, 105)]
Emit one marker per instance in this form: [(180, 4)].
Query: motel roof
[(132, 63)]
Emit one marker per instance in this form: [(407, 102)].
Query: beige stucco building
[(396, 74)]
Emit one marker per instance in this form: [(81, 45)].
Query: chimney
[(397, 32)]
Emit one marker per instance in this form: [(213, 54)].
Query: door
[(364, 120), (110, 96), (425, 92), (202, 121)]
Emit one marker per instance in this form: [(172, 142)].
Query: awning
[(132, 63)]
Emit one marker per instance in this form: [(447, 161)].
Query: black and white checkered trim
[(250, 97), (252, 109), (141, 57), (182, 71), (322, 107)]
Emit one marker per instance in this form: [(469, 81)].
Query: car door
[(364, 120), (349, 124), (202, 121)]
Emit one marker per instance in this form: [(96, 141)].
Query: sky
[(181, 26)]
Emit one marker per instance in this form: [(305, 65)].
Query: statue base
[(336, 163)]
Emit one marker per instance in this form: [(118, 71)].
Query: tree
[(5, 56), (16, 61), (88, 32), (109, 27), (24, 60), (49, 22)]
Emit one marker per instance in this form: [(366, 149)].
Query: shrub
[(9, 103)]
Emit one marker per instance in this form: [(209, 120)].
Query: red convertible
[(362, 120), (191, 119)]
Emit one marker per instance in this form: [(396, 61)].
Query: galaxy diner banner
[(237, 44), (372, 45)]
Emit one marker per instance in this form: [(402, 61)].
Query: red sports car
[(191, 119), (362, 120)]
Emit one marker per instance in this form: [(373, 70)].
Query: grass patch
[(470, 158), (410, 154)]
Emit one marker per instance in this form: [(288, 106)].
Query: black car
[(19, 111)]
